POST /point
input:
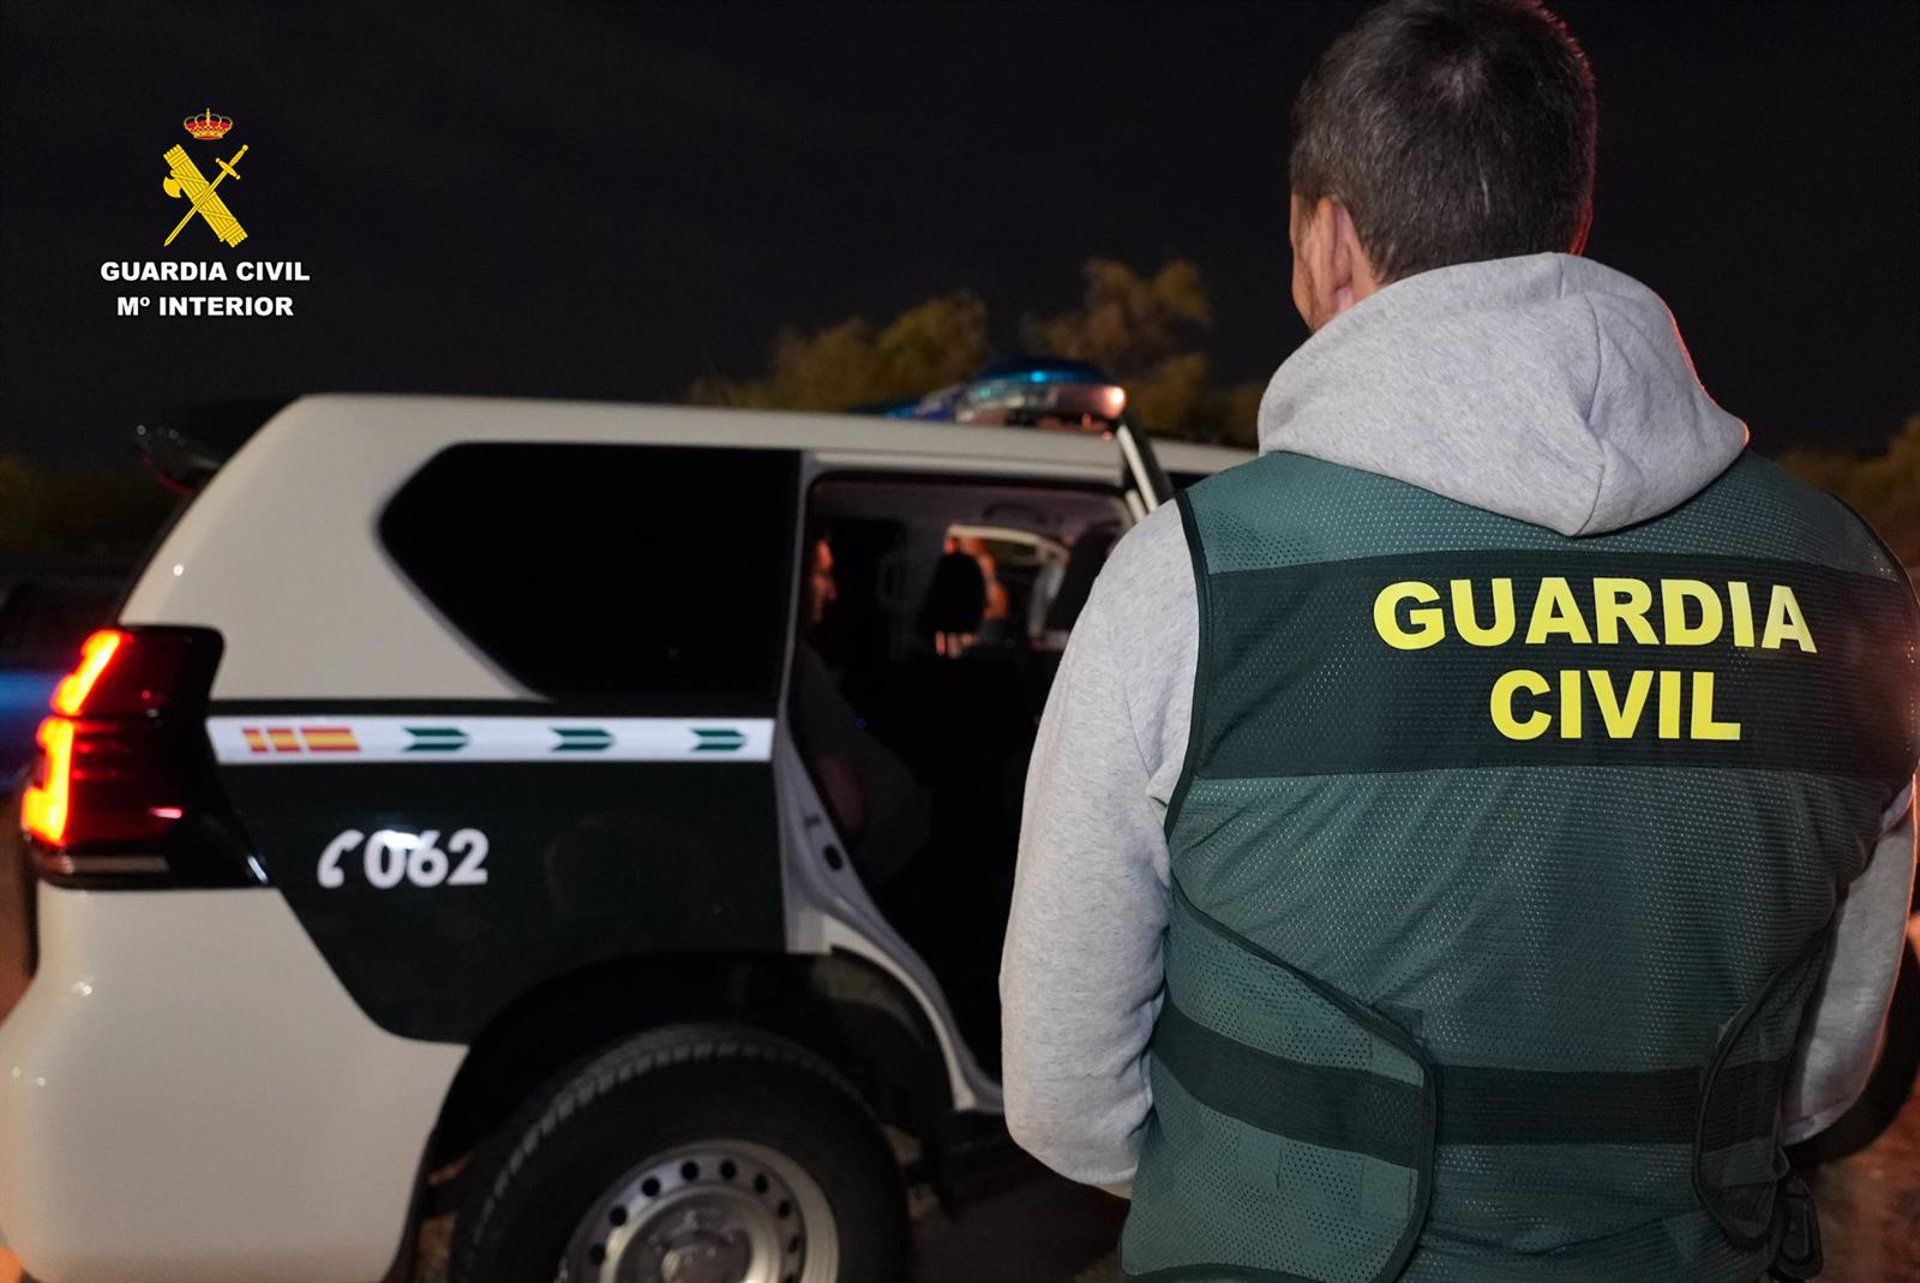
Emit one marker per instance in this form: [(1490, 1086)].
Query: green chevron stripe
[(436, 739), (582, 739)]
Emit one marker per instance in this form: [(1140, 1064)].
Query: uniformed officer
[(1469, 840)]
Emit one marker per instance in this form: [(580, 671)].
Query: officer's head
[(1437, 132)]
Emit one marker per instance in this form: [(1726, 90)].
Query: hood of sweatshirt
[(1546, 387)]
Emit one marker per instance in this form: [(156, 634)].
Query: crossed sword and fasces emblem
[(187, 180)]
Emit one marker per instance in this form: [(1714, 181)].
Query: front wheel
[(691, 1154)]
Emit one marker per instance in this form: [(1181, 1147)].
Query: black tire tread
[(676, 1046)]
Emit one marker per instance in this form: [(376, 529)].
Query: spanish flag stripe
[(329, 739), (283, 739)]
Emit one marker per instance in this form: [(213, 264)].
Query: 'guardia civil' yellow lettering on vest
[(1526, 704)]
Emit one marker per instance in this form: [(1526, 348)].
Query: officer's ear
[(1579, 245), (1331, 269)]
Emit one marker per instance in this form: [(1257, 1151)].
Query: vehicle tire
[(691, 1152)]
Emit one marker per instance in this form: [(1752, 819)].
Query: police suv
[(595, 821)]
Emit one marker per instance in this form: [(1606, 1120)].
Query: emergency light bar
[(1026, 392)]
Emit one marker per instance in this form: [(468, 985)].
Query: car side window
[(651, 579)]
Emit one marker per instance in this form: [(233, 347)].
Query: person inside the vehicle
[(927, 641), (997, 626), (877, 806)]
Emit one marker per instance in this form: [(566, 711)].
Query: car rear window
[(644, 578)]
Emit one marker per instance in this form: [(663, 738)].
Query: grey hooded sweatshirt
[(1547, 388)]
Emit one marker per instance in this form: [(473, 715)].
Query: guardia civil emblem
[(185, 180)]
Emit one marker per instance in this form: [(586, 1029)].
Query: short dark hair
[(1452, 131)]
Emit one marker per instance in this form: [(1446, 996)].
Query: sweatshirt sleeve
[(1080, 979), (1837, 1053)]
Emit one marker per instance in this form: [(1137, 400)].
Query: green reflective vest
[(1504, 867)]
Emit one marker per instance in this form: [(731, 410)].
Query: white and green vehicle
[(595, 821)]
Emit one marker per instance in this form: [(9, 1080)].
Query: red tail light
[(44, 807), (123, 765)]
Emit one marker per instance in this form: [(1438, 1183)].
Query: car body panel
[(293, 520), (188, 1095)]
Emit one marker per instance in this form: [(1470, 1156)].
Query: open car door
[(1144, 480)]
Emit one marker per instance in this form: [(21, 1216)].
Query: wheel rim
[(716, 1211)]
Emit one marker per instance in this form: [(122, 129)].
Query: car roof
[(524, 419)]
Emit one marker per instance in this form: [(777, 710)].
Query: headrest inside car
[(957, 599)]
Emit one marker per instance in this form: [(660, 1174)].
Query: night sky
[(610, 201)]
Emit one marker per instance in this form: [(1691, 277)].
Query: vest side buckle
[(1796, 1256)]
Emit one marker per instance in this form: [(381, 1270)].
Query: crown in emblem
[(208, 125)]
